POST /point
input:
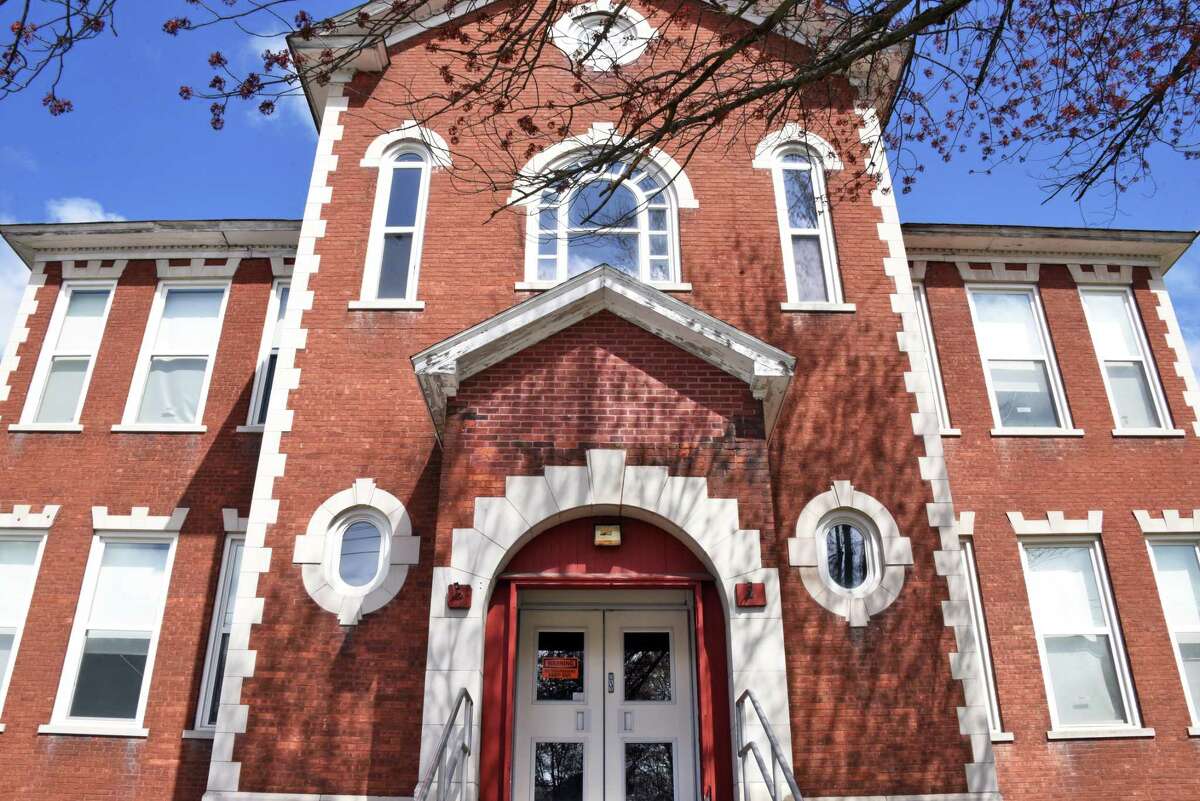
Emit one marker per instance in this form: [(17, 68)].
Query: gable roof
[(441, 368)]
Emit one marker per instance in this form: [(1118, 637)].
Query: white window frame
[(872, 552), (1058, 394), (41, 373), (933, 366), (21, 536), (1147, 360), (137, 388), (373, 266), (61, 721), (222, 607), (266, 348), (1177, 539), (823, 231), (983, 651), (1112, 629), (333, 550)]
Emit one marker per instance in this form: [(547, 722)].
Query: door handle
[(612, 683)]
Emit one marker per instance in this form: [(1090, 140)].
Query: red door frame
[(711, 742)]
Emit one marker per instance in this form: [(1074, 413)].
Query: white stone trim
[(408, 131), (20, 328), (23, 516), (1110, 274), (401, 549), (600, 133), (1000, 271), (709, 527), (1057, 523), (765, 152), (245, 796), (139, 519), (917, 269), (973, 717), (280, 267), (223, 772), (568, 36), (196, 268), (1178, 345), (892, 551), (233, 524), (92, 269), (1172, 522)]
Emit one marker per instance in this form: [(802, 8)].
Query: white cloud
[(291, 107), (17, 157), (77, 210)]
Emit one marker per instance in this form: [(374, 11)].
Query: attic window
[(601, 37)]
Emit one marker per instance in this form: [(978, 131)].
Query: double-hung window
[(1083, 659), (806, 228), (1129, 375), (1177, 570), (110, 656), (176, 362), (933, 369), (397, 229), (64, 369), (218, 638), (983, 652), (268, 353), (20, 554), (1018, 362)]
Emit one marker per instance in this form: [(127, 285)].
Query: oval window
[(358, 560), (846, 555)]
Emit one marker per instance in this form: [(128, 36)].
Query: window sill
[(255, 429), (47, 428), (146, 428), (1193, 731), (199, 734), (1, 728), (367, 304), (93, 730), (1100, 733), (542, 286), (1037, 432), (951, 432), (1002, 737), (817, 306), (1149, 432)]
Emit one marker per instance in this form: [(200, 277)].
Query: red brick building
[(401, 500)]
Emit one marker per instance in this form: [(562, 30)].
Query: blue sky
[(133, 150)]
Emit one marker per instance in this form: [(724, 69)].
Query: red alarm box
[(458, 596)]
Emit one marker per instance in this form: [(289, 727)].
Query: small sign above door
[(560, 668), (608, 534)]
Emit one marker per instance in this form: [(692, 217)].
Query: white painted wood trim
[(792, 134)]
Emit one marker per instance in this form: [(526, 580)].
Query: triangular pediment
[(440, 369)]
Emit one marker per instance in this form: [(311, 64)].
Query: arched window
[(805, 225), (394, 248), (621, 216), (357, 551)]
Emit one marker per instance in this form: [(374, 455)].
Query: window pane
[(1112, 329), (658, 219), (658, 245), (1023, 395), (647, 666), (265, 398), (81, 326), (1007, 323), (16, 581), (402, 203), (172, 390), (1086, 691), (64, 384), (358, 560), (659, 270), (801, 203), (810, 269), (110, 677), (1189, 654), (547, 269), (233, 572), (1131, 395), (6, 649), (285, 292), (558, 772), (1063, 590), (214, 703), (600, 205), (1179, 584), (129, 588), (649, 772), (393, 272), (846, 555), (559, 666), (189, 321), (588, 250)]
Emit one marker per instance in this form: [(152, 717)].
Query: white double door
[(604, 706)]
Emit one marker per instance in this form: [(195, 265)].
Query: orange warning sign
[(560, 668)]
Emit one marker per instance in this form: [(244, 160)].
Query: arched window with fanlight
[(397, 228), (805, 226), (624, 216)]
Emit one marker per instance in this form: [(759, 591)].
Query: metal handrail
[(778, 761), (443, 771)]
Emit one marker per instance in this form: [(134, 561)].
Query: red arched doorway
[(560, 600)]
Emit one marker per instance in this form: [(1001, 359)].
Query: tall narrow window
[(218, 638), (268, 353), (932, 366), (175, 366), (64, 370), (1177, 569), (106, 678), (806, 228), (1083, 660), (983, 653), (19, 558), (1018, 363), (1129, 374), (394, 249)]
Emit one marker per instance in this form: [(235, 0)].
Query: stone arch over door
[(605, 485)]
